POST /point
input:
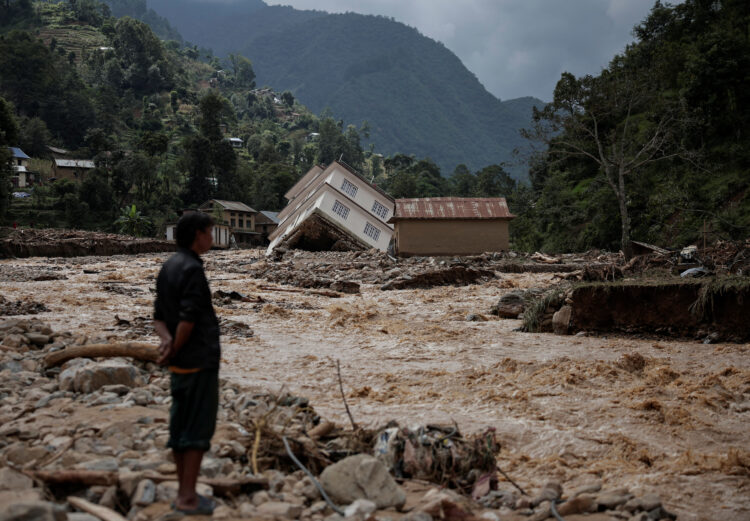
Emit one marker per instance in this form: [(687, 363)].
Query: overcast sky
[(515, 47)]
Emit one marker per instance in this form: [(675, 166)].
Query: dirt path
[(652, 415)]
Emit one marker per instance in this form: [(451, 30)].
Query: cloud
[(515, 47)]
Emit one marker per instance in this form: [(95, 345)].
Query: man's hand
[(166, 346), (166, 350)]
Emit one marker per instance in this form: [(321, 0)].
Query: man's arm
[(169, 346)]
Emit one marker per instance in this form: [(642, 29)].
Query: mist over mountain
[(416, 95)]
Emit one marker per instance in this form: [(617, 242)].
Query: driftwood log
[(137, 350), (78, 477), (103, 513)]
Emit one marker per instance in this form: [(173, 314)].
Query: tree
[(8, 137), (34, 137), (132, 222), (242, 70), (616, 121), (288, 98)]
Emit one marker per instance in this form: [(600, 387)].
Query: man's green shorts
[(192, 417)]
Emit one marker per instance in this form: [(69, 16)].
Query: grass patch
[(532, 315)]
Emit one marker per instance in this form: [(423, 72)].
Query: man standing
[(185, 321)]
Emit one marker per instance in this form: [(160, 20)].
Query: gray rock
[(145, 493), (106, 464), (360, 507), (15, 340), (81, 516), (33, 511), (362, 477), (510, 305), (89, 377), (611, 500), (306, 488), (260, 497), (38, 339), (561, 320), (279, 509), (13, 480)]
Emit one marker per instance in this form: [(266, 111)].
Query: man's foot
[(202, 507)]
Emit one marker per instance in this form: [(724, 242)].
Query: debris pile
[(351, 269), (20, 307), (51, 242), (89, 436)]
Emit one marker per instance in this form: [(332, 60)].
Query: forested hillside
[(655, 147), (416, 95), (155, 117)]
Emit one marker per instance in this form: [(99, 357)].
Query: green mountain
[(416, 95)]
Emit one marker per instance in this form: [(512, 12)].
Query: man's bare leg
[(187, 474)]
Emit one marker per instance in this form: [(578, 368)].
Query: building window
[(372, 231), (340, 210), (241, 223), (379, 210), (231, 223), (349, 188)]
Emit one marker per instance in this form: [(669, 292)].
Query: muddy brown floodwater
[(662, 416)]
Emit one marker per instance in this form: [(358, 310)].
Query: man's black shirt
[(182, 294)]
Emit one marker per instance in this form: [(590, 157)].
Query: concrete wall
[(451, 237)]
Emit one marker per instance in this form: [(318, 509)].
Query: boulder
[(362, 477), (89, 377), (561, 320), (510, 305), (33, 511)]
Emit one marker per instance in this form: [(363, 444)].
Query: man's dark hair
[(188, 225)]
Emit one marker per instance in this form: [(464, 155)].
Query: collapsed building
[(334, 208)]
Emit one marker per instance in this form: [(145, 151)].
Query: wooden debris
[(79, 477), (137, 350), (102, 512)]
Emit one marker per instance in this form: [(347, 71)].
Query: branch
[(343, 397)]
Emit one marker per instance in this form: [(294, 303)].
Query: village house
[(221, 233), (235, 142), (450, 226), (72, 169), (265, 223), (238, 216), (19, 163), (334, 208)]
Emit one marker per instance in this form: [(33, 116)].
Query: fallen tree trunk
[(103, 513), (79, 477), (137, 350)]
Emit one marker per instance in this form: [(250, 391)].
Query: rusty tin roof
[(452, 208)]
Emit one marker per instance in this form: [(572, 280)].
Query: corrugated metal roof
[(18, 153), (234, 206), (452, 208), (74, 163)]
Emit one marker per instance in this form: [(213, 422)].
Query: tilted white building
[(334, 208)]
